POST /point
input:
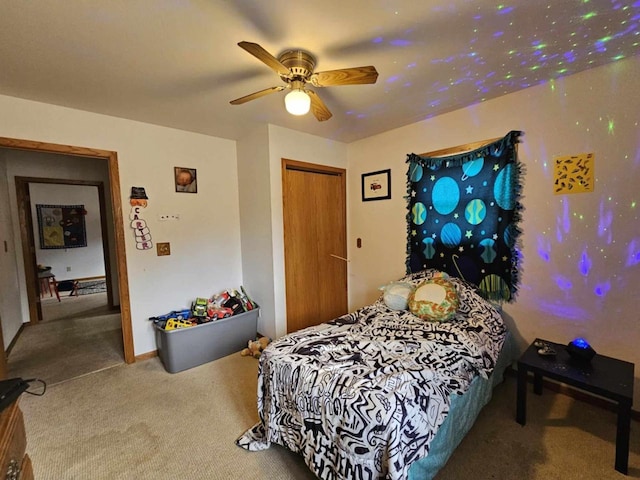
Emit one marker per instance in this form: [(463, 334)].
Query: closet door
[(315, 236)]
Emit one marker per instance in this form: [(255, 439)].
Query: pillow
[(435, 299), (396, 295)]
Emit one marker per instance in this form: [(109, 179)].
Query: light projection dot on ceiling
[(565, 42)]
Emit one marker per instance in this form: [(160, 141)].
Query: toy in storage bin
[(185, 348)]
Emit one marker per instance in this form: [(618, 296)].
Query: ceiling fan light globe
[(297, 102)]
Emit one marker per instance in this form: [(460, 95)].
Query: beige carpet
[(79, 335), (563, 439), (140, 422), (80, 306)]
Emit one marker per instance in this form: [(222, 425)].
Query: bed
[(380, 393)]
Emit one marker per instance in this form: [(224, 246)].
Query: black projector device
[(579, 349)]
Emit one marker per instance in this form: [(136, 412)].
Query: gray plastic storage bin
[(185, 348)]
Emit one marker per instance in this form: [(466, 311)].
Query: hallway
[(79, 335)]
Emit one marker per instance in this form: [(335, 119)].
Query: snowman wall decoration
[(138, 201)]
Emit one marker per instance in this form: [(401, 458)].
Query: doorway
[(315, 243), (25, 202), (30, 265)]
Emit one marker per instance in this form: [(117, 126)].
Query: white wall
[(205, 242), (255, 225), (70, 263), (594, 111), (285, 143)]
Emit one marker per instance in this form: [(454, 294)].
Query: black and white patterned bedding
[(362, 396)]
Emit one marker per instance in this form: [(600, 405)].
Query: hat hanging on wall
[(138, 193)]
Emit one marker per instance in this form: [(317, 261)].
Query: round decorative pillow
[(396, 295), (435, 299)]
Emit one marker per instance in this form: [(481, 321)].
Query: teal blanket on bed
[(463, 411)]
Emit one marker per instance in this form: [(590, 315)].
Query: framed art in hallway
[(376, 185), (61, 226)]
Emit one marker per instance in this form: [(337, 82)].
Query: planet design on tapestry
[(429, 250), (450, 235), (505, 196), (445, 195), (415, 172), (494, 286), (510, 235), (475, 211), (472, 168), (489, 253), (419, 213)]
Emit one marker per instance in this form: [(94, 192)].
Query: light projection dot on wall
[(602, 289), (585, 264), (573, 173), (633, 253), (563, 283)]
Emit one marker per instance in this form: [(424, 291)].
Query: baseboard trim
[(146, 356), (15, 339), (576, 394)]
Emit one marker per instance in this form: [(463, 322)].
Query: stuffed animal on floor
[(255, 347)]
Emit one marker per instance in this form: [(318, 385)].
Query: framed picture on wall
[(376, 185), (185, 179), (61, 226)]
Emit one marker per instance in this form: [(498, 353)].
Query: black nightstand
[(604, 376)]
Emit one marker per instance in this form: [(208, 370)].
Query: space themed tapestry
[(463, 216)]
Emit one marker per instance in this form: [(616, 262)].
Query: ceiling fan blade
[(319, 109), (345, 76), (254, 95), (265, 57)]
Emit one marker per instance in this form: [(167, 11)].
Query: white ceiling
[(176, 62)]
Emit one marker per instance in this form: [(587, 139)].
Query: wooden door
[(28, 250), (4, 371), (315, 243)]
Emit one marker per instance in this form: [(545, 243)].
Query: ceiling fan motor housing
[(300, 63)]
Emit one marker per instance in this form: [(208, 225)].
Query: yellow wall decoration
[(573, 173)]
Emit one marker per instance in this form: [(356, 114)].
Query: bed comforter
[(362, 396)]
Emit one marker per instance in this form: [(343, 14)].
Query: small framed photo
[(376, 185), (185, 179)]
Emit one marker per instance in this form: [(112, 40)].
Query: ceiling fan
[(295, 68)]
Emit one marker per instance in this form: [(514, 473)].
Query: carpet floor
[(78, 336), (75, 307), (140, 422)]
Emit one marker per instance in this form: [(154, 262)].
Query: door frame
[(28, 237), (121, 258)]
